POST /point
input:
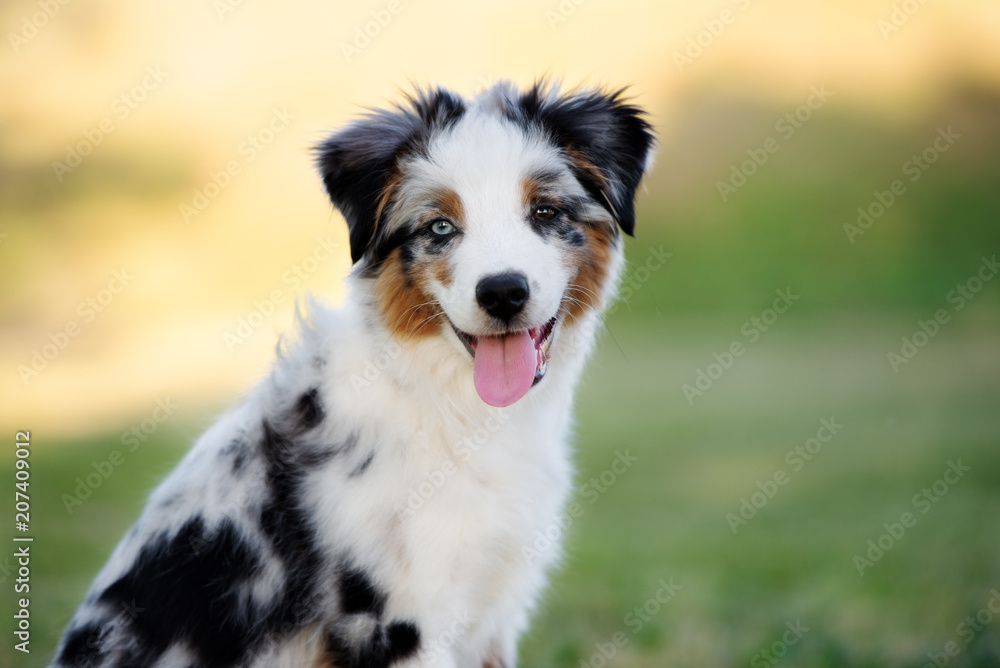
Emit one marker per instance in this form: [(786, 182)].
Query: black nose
[(503, 295)]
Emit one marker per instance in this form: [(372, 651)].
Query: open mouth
[(505, 367)]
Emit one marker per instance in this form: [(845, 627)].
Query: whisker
[(586, 291), (423, 323)]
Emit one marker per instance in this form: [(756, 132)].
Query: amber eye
[(544, 213)]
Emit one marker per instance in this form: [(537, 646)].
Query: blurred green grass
[(793, 560), (665, 517)]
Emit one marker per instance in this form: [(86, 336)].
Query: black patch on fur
[(403, 640), (358, 594), (239, 450), (406, 258), (185, 588), (133, 658), (239, 461), (611, 134), (363, 466), (402, 238), (310, 409), (561, 227), (387, 645), (349, 443), (83, 645), (357, 162), (288, 524)]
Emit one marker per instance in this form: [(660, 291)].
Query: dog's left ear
[(608, 141)]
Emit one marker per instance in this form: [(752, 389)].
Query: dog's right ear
[(359, 164)]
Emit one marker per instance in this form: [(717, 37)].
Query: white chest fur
[(451, 495)]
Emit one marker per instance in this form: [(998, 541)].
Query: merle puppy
[(387, 495)]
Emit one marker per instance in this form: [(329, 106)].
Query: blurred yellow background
[(226, 67)]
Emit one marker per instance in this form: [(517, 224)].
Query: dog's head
[(494, 222)]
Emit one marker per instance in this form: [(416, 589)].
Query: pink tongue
[(504, 367)]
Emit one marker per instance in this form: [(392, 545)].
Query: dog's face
[(495, 223)]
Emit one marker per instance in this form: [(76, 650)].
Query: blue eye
[(442, 227)]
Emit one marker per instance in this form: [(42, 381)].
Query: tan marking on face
[(383, 201), (449, 204), (441, 270), (408, 310), (532, 192), (592, 263)]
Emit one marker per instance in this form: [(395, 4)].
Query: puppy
[(378, 500)]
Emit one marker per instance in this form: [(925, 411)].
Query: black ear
[(358, 163), (598, 129)]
